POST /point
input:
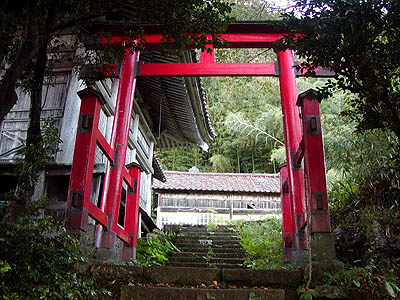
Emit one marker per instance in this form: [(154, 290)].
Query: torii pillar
[(317, 194), (293, 137)]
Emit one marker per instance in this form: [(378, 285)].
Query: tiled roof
[(158, 170), (219, 182), (177, 105)]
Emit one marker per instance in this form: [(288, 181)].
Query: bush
[(39, 260), (262, 242), (365, 216), (154, 249)]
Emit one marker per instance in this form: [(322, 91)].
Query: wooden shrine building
[(197, 198)]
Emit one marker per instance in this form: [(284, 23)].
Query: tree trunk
[(32, 164), (30, 43), (252, 159), (34, 159), (238, 160)]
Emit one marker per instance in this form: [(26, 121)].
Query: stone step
[(206, 235), (168, 293), (197, 244), (207, 260), (204, 249), (288, 280), (206, 241), (195, 276), (205, 265), (220, 228), (202, 254), (189, 247)]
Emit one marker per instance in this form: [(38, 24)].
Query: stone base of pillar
[(324, 256), (128, 253), (322, 267), (87, 238), (299, 258), (322, 246), (113, 254), (107, 247)]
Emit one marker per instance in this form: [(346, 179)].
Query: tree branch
[(30, 43)]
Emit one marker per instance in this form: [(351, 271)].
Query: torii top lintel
[(237, 35)]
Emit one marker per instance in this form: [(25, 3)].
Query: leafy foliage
[(365, 214), (154, 249), (307, 294), (41, 259), (31, 30), (27, 171), (358, 40), (262, 242)]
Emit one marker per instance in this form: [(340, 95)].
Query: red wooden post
[(288, 226), (314, 161), (132, 211), (83, 161), (293, 136), (119, 142)]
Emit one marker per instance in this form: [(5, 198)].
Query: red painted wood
[(293, 136), (122, 233), (207, 69), (234, 40), (104, 146), (82, 164), (132, 206), (96, 213), (288, 226), (257, 40), (127, 177), (119, 137), (314, 161), (206, 57)]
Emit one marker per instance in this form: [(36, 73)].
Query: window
[(121, 213)]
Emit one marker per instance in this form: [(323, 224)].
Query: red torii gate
[(297, 142)]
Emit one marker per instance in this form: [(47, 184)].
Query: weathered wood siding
[(267, 202), (61, 101), (201, 208), (15, 125)]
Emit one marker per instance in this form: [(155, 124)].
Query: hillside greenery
[(360, 126)]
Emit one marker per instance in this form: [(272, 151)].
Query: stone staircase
[(208, 267), (202, 248), (188, 283)]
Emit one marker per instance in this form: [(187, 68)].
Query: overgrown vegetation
[(358, 40), (366, 222), (40, 260), (262, 242), (153, 250), (27, 172)]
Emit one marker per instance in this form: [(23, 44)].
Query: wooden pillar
[(83, 161), (317, 194), (119, 142), (293, 137), (288, 226), (132, 211)]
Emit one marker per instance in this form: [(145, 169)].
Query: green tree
[(221, 163), (30, 33), (358, 40), (28, 30)]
